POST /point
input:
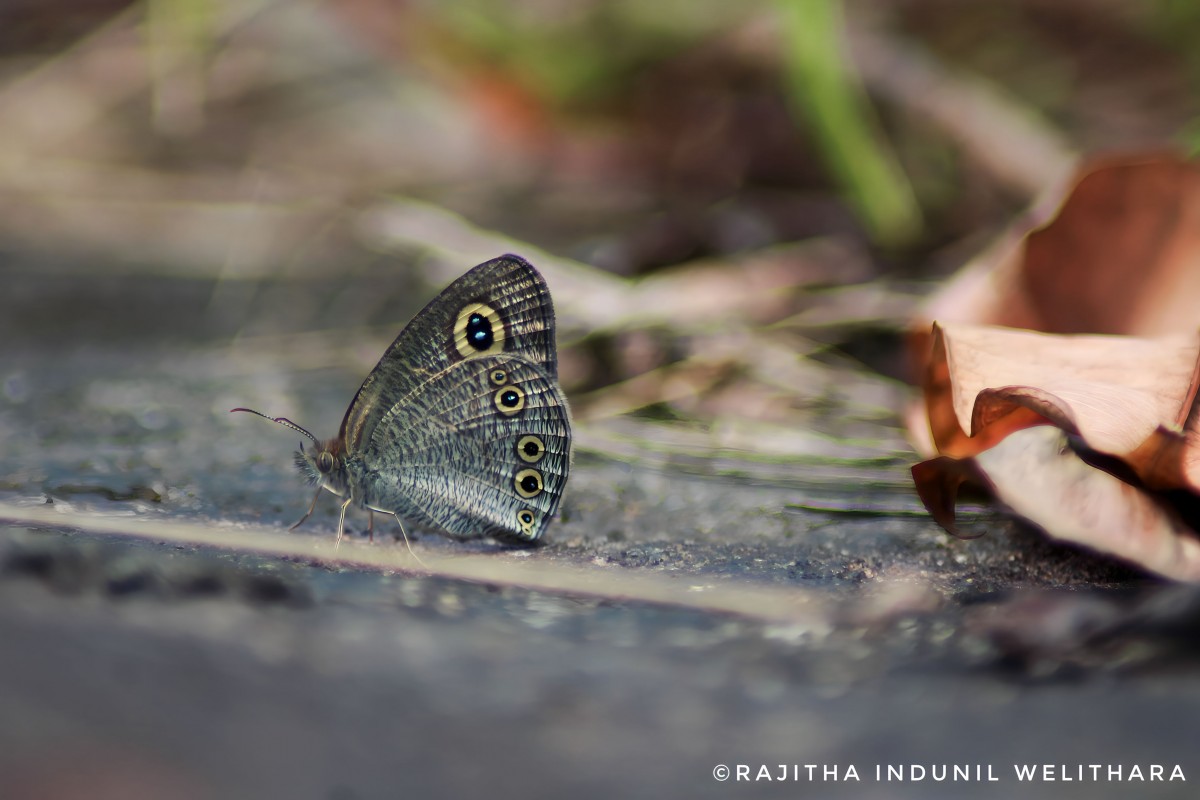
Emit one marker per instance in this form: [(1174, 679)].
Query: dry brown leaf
[(1121, 258), (1036, 474), (1114, 391), (939, 480)]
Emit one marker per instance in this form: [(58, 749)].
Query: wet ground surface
[(735, 612)]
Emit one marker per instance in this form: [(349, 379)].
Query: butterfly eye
[(509, 400), (325, 461), (499, 377), (478, 330), (531, 448), (528, 483), (526, 519)]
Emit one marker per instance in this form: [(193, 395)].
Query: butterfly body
[(461, 425)]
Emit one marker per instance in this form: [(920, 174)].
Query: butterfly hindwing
[(482, 447)]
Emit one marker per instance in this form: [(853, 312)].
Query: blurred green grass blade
[(826, 93), (179, 40)]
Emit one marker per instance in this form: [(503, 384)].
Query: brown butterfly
[(462, 425)]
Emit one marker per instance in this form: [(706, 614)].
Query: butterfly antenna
[(284, 421)]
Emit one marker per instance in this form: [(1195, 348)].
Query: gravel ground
[(724, 616)]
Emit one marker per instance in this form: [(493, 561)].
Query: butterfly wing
[(481, 448), (500, 306)]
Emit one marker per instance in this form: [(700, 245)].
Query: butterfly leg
[(342, 522), (406, 542), (308, 513)]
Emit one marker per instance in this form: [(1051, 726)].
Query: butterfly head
[(324, 465)]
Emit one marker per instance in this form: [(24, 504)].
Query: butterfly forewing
[(500, 306)]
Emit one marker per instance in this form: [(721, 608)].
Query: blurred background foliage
[(660, 113), (276, 155), (633, 135)]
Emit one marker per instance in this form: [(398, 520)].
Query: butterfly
[(461, 425)]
